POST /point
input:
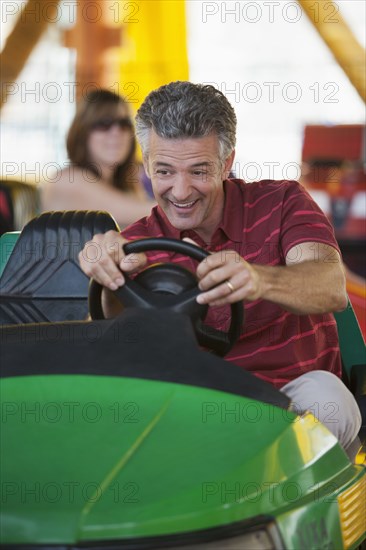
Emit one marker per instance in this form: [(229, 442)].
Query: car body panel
[(93, 457)]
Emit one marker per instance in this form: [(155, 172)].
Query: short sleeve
[(303, 220)]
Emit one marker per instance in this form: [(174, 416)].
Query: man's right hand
[(103, 259)]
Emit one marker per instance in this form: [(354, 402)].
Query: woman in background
[(103, 174)]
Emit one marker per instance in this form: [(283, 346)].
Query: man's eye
[(162, 172), (200, 173)]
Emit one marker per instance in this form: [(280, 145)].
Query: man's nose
[(182, 189)]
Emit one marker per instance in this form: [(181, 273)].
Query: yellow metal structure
[(352, 511), (31, 24), (333, 29), (154, 48)]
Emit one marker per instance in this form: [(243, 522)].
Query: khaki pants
[(327, 398)]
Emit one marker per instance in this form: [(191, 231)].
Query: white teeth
[(184, 205)]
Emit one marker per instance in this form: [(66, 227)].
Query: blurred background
[(293, 70)]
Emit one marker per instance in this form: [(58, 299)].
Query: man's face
[(187, 179)]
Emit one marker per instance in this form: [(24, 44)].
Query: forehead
[(183, 150)]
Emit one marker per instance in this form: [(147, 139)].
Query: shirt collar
[(231, 223)]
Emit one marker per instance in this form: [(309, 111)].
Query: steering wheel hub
[(166, 279)]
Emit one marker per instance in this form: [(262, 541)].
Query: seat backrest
[(351, 341), (353, 349), (42, 280)]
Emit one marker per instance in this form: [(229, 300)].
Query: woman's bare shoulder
[(74, 175), (67, 189)]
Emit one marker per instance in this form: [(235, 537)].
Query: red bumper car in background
[(334, 172)]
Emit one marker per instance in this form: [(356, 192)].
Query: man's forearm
[(309, 287)]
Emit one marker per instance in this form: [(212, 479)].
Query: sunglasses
[(105, 124)]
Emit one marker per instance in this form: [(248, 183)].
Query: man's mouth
[(183, 205)]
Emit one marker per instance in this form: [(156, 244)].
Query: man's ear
[(229, 163)]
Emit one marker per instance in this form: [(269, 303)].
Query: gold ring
[(231, 287)]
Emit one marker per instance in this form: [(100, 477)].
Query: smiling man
[(270, 245), (187, 181)]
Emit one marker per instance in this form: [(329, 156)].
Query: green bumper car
[(125, 434)]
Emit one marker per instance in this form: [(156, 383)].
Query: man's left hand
[(225, 278)]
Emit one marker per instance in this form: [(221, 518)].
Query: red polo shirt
[(262, 221)]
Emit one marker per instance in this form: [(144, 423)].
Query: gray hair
[(184, 110)]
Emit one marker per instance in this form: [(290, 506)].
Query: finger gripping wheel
[(172, 287)]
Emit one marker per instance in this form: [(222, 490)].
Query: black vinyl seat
[(42, 280)]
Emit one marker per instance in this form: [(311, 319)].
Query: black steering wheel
[(170, 286)]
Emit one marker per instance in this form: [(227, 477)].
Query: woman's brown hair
[(95, 106)]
